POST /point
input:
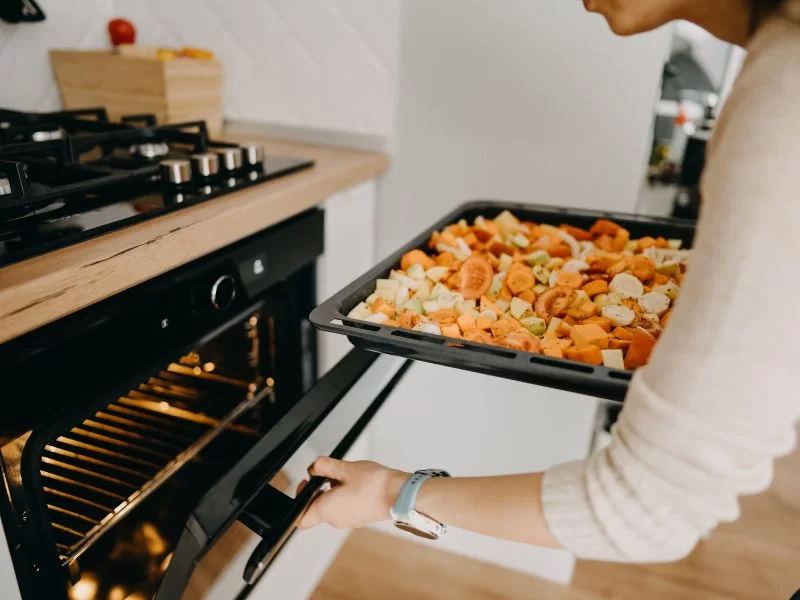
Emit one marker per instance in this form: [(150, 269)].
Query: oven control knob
[(231, 158), (205, 164), (253, 154), (223, 292), (176, 171)]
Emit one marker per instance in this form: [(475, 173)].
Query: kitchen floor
[(755, 558)]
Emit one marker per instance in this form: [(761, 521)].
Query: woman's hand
[(363, 492)]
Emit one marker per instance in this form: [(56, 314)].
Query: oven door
[(258, 492)]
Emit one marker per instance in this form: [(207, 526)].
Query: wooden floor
[(756, 558)]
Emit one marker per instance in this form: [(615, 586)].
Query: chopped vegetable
[(535, 325), (540, 257), (520, 241), (436, 274), (431, 306), (654, 302), (585, 354), (416, 257), (377, 318), (669, 289), (505, 262), (613, 359), (520, 309), (596, 287), (590, 334), (428, 328), (496, 284), (621, 316), (570, 279), (475, 277), (625, 286), (542, 274), (360, 312), (520, 279), (641, 347), (466, 322)]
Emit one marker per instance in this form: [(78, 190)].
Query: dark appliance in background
[(68, 176), (136, 432), (20, 11)]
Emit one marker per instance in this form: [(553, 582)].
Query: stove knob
[(176, 171), (231, 158), (205, 165), (223, 292), (253, 154)]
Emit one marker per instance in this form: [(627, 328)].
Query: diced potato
[(502, 305), (431, 306), (428, 328), (613, 359), (438, 290), (423, 292), (520, 241), (405, 280), (449, 300), (416, 271), (360, 312), (506, 261), (387, 284), (520, 309), (415, 305), (451, 331), (488, 314), (507, 223), (497, 284), (535, 325), (436, 274), (466, 322), (541, 274), (540, 257), (402, 296), (377, 318), (555, 263)]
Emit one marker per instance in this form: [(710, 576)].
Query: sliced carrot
[(603, 322), (640, 350), (643, 268), (553, 351), (618, 267), (621, 333), (451, 331), (382, 306), (528, 296), (660, 279), (445, 259), (621, 240), (483, 323), (596, 287), (586, 310), (466, 322), (416, 257), (554, 302), (604, 226), (646, 242), (478, 335), (497, 248), (615, 344), (605, 242), (579, 234), (586, 354), (559, 251), (590, 334), (520, 278), (569, 279), (445, 316)]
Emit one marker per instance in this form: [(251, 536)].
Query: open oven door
[(250, 514)]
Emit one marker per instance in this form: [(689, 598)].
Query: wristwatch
[(405, 514)]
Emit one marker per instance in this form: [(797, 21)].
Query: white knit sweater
[(704, 420)]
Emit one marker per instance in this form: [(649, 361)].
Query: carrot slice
[(579, 234), (646, 242), (621, 240), (640, 350), (605, 242), (569, 279), (445, 259), (586, 354), (497, 248), (604, 227), (559, 251), (643, 268), (622, 333), (416, 257), (528, 295), (520, 279), (596, 287)]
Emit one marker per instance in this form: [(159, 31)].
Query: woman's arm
[(505, 507), (704, 420)]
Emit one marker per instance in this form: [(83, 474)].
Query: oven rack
[(94, 474)]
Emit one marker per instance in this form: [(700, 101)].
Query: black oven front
[(135, 433)]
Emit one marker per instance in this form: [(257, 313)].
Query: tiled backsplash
[(327, 64)]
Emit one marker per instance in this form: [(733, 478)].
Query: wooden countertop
[(45, 288)]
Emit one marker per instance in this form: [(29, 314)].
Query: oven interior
[(119, 426)]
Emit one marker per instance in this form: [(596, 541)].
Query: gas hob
[(72, 175)]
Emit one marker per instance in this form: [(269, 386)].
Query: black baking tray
[(562, 374)]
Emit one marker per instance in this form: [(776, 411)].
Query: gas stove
[(68, 176)]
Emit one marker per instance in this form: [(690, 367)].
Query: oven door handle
[(276, 530)]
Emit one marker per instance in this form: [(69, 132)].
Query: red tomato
[(121, 32)]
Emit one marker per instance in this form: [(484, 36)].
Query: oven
[(151, 444)]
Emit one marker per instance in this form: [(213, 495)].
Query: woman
[(718, 402)]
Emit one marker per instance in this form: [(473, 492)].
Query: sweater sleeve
[(703, 422)]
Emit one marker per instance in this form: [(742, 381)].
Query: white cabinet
[(472, 424), (350, 227)]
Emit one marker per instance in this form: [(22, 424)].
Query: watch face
[(410, 529)]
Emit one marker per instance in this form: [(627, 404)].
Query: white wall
[(326, 64), (527, 100)]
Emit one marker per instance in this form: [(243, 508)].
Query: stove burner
[(72, 175), (150, 150)]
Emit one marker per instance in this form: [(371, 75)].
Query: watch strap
[(404, 510)]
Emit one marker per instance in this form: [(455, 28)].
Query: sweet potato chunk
[(640, 349)]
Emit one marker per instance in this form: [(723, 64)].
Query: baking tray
[(562, 374)]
